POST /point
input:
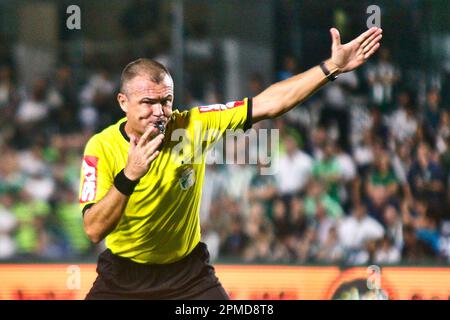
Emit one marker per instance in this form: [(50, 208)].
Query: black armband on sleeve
[(249, 121), (86, 207), (123, 184)]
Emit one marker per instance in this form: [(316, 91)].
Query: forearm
[(283, 96), (102, 217)]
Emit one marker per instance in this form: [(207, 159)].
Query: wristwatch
[(327, 72)]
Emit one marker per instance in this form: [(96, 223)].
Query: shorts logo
[(220, 107), (89, 187)]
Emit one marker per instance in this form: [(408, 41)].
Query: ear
[(123, 101)]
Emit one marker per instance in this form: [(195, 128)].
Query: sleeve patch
[(89, 186), (221, 107)]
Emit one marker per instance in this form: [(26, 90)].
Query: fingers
[(145, 137), (335, 36), (153, 145), (372, 44), (367, 34), (372, 51), (132, 141), (370, 39), (152, 157)]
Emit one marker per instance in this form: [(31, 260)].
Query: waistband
[(198, 250)]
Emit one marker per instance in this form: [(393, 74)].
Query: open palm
[(351, 55)]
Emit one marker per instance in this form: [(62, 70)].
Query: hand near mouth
[(142, 152)]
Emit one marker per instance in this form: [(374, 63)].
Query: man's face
[(146, 103)]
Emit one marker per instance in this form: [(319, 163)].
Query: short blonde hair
[(142, 66)]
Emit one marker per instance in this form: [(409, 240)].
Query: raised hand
[(351, 55), (142, 153)]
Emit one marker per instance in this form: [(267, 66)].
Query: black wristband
[(123, 184), (327, 72)]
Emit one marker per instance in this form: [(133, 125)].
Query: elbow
[(93, 235), (92, 232), (95, 239)]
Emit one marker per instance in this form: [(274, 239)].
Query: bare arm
[(283, 96), (102, 217)]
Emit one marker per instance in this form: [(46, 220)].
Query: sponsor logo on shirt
[(89, 187), (221, 107), (187, 178)]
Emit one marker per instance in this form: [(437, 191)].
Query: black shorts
[(190, 278)]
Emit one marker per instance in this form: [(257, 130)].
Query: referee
[(146, 205)]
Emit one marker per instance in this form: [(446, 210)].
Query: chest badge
[(187, 178)]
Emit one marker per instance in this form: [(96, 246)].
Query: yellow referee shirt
[(161, 222)]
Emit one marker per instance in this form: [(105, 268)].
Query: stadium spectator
[(255, 84), (331, 251), (30, 236), (354, 231), (415, 250), (307, 248), (428, 232), (403, 123), (319, 137), (316, 196), (328, 171), (382, 77), (236, 241), (426, 177), (394, 226), (8, 224), (432, 111), (263, 190), (257, 219), (237, 187), (64, 118), (294, 168), (348, 171), (215, 181), (96, 97), (32, 114), (387, 252), (260, 248), (212, 239), (297, 218), (70, 224), (8, 96), (322, 223), (289, 69), (336, 102), (280, 220), (381, 186)]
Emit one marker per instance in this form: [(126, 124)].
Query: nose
[(157, 110)]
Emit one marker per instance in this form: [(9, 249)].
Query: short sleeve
[(218, 118)]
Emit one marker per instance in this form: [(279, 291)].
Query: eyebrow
[(168, 97)]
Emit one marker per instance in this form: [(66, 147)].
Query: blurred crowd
[(363, 176), (362, 171)]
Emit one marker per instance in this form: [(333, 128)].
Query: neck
[(129, 131)]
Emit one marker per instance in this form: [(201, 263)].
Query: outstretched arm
[(283, 96)]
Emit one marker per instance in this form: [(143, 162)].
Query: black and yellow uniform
[(160, 224)]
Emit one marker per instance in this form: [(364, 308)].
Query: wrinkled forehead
[(142, 85)]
